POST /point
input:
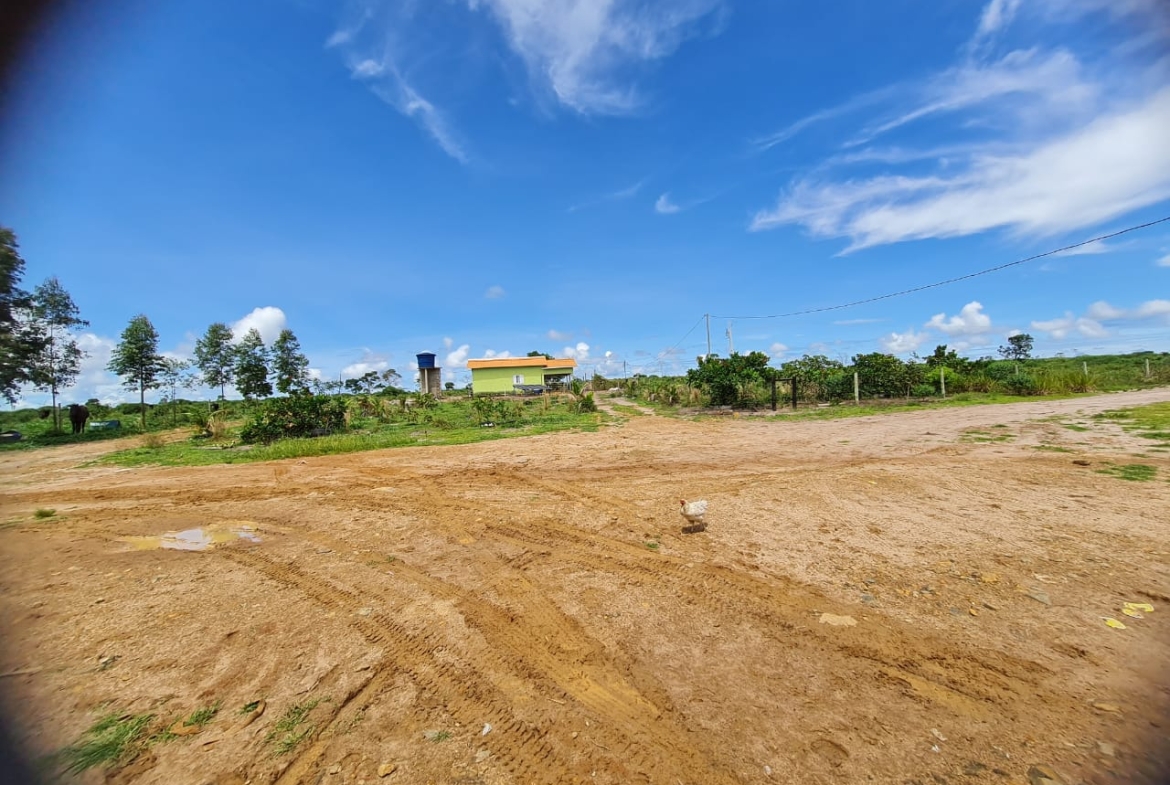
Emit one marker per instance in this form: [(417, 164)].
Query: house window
[(518, 379)]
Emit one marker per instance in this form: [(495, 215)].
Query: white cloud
[(1153, 308), (1088, 249), (268, 321), (1062, 327), (580, 352), (314, 374), (494, 292), (970, 321), (845, 322), (1116, 164), (777, 350), (628, 192), (901, 343), (1164, 261), (1102, 310), (997, 14), (664, 206), (448, 342), (582, 50), (371, 361), (557, 335), (492, 354), (458, 358)]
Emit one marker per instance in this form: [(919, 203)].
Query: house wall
[(499, 380)]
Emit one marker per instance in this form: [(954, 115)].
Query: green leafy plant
[(44, 512), (287, 732), (294, 416)]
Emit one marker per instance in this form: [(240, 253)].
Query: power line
[(670, 351), (943, 283)]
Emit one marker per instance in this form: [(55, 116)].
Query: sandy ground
[(422, 595)]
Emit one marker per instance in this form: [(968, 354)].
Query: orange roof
[(521, 362)]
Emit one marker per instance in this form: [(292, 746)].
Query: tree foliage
[(727, 381), (215, 357), (1019, 347), (16, 345), (251, 367), (136, 359), (294, 416), (54, 360), (290, 367)]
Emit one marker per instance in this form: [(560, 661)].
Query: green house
[(519, 374)]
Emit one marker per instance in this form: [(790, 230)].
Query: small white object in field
[(694, 511)]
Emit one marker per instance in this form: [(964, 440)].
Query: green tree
[(215, 357), (391, 379), (366, 383), (1019, 347), (813, 373), (251, 367), (173, 375), (545, 355), (136, 359), (17, 344), (882, 376), (57, 360), (289, 365), (728, 382)]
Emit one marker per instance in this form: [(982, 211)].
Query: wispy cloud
[(625, 192), (494, 292), (1089, 249), (846, 322), (664, 206), (1091, 324), (1164, 261), (1114, 165), (557, 335), (375, 40), (586, 52), (1049, 145)]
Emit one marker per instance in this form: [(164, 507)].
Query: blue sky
[(590, 177)]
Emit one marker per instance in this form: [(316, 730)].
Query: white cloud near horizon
[(370, 361), (969, 322), (580, 352), (457, 358), (267, 320), (903, 343)]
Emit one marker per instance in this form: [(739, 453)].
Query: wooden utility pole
[(708, 317)]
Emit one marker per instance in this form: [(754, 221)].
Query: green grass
[(113, 739), (453, 425), (43, 512), (629, 411), (1148, 422), (248, 708), (1076, 427), (442, 735), (984, 437), (652, 545), (1134, 472), (1051, 448), (287, 732), (841, 410), (201, 717)]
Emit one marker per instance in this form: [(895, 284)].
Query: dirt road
[(911, 598)]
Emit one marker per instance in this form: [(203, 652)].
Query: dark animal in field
[(78, 414)]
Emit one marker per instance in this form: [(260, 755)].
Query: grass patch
[(652, 545), (442, 735), (201, 717), (288, 733), (1134, 472), (248, 708), (629, 411), (1072, 426), (890, 406), (43, 512), (197, 452), (1051, 448), (113, 739), (985, 437)]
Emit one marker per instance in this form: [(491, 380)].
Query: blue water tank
[(426, 360)]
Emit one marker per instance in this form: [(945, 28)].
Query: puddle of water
[(198, 539)]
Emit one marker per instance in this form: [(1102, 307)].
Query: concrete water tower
[(430, 376)]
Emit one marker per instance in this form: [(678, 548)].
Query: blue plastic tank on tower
[(426, 360)]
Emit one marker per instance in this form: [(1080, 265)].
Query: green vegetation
[(113, 739), (288, 733), (1134, 472), (438, 736), (201, 717), (984, 437), (43, 513), (250, 707), (652, 545), (1148, 422)]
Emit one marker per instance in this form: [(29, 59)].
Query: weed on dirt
[(201, 717), (113, 739), (288, 733), (43, 513), (1134, 472)]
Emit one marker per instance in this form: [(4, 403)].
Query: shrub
[(294, 416), (586, 403), (1021, 384), (923, 390)]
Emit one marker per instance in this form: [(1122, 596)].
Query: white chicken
[(694, 512)]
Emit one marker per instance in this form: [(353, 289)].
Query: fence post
[(856, 389), (1147, 368), (942, 379), (1085, 367)]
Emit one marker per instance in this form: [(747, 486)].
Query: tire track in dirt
[(522, 748), (579, 669)]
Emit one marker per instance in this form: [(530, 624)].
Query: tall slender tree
[(57, 362), (136, 359), (17, 344), (173, 375), (290, 366), (215, 356), (251, 369)]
